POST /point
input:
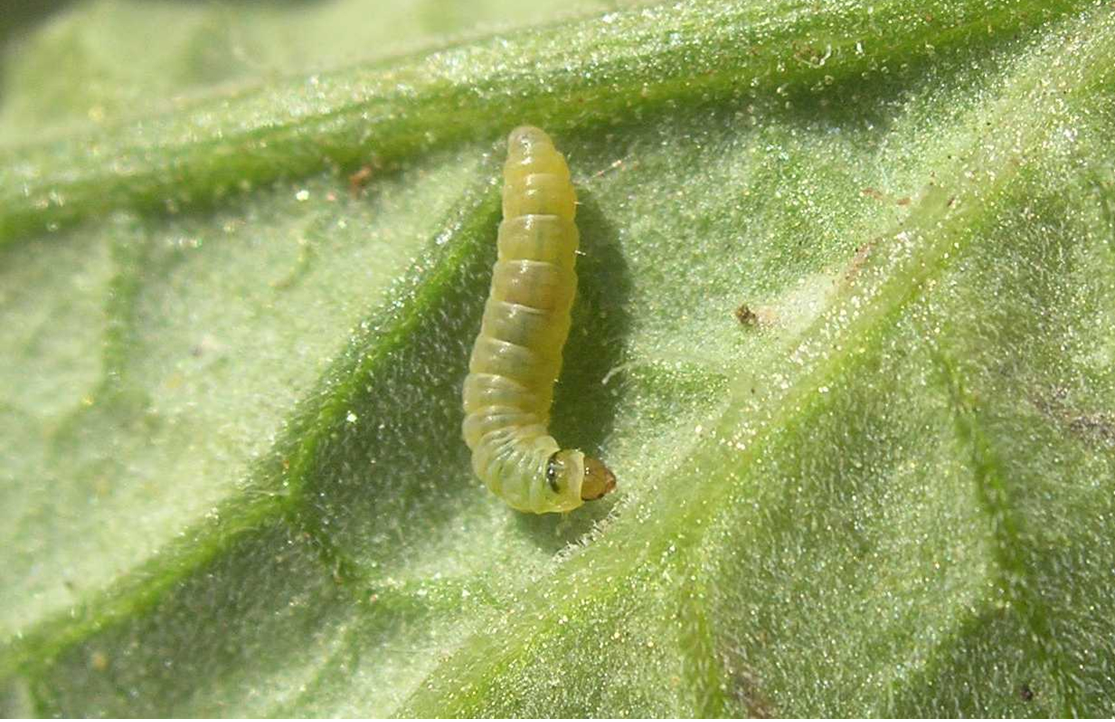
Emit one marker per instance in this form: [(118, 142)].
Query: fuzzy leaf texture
[(844, 332)]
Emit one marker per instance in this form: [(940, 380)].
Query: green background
[(232, 482)]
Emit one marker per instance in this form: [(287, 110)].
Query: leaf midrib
[(410, 119)]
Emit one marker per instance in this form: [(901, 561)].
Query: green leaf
[(845, 332)]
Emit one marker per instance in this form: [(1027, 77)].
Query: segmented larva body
[(517, 356)]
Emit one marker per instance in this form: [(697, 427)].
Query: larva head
[(599, 479), (570, 470)]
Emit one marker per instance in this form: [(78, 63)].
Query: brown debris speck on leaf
[(358, 180), (746, 316)]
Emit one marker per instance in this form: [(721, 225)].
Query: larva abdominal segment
[(517, 355)]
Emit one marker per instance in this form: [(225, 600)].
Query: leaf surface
[(844, 332)]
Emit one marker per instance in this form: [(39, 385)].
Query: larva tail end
[(525, 139), (599, 480)]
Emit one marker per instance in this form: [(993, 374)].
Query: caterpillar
[(517, 356)]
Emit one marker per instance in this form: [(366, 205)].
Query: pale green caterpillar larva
[(517, 355)]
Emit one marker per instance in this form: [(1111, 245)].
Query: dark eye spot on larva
[(551, 471)]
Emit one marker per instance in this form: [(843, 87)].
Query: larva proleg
[(517, 355)]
